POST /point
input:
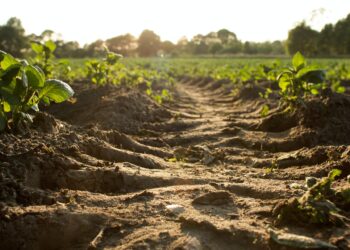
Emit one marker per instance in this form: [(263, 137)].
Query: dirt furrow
[(203, 173)]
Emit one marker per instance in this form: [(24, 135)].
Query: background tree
[(278, 48), (148, 44), (249, 48), (182, 45), (325, 42), (95, 49), (233, 48), (47, 35), (226, 36), (215, 48), (12, 37), (304, 39), (124, 44), (341, 37), (67, 49), (168, 47)]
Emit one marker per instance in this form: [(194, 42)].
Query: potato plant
[(100, 71), (164, 95), (22, 87), (300, 80)]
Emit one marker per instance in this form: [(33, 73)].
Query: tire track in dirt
[(199, 180)]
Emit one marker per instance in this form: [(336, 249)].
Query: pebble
[(175, 209)]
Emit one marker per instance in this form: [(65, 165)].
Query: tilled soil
[(114, 170)]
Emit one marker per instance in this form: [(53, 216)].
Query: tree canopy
[(12, 37), (332, 40), (148, 44)]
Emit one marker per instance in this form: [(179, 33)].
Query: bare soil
[(115, 170)]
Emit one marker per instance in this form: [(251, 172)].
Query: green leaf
[(36, 79), (24, 79), (264, 111), (6, 106), (334, 173), (45, 100), (311, 74), (40, 70), (165, 93), (298, 61), (56, 90), (3, 120), (8, 95), (112, 58), (340, 89), (19, 88), (50, 45), (314, 91), (285, 73), (149, 92), (283, 83), (37, 47), (10, 73), (7, 61)]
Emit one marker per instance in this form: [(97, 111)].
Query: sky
[(251, 20)]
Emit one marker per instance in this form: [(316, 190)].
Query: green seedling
[(321, 204), (100, 71), (265, 108), (164, 95), (22, 87), (300, 80), (272, 168)]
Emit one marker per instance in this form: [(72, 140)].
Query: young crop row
[(237, 72), (24, 84)]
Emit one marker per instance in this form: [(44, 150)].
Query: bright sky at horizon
[(251, 20)]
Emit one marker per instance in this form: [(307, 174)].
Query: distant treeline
[(332, 40)]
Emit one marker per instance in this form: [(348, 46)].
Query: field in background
[(191, 153)]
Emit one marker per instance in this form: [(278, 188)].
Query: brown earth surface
[(115, 170)]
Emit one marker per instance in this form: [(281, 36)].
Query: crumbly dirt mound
[(111, 107), (328, 117), (114, 170), (249, 92), (56, 155)]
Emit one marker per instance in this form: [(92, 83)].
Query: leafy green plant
[(265, 108), (164, 95), (44, 56), (22, 87), (272, 168), (321, 204), (337, 87), (299, 80), (100, 71), (64, 71)]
